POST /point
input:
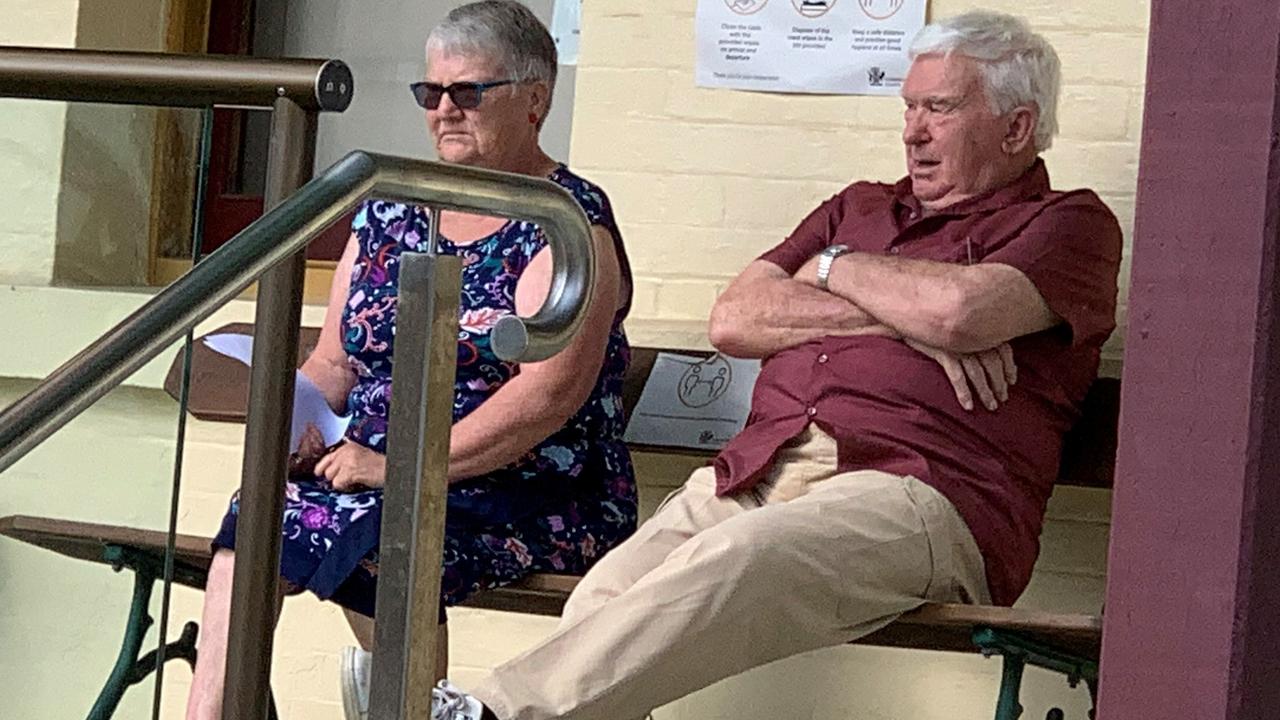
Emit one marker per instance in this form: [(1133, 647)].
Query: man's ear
[(1020, 132)]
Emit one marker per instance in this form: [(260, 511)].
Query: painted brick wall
[(704, 180), (31, 139)]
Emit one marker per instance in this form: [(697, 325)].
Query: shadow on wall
[(104, 201)]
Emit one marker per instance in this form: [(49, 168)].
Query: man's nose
[(914, 130)]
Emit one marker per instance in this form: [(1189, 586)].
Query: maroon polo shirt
[(891, 408)]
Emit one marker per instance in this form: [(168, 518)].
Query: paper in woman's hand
[(309, 404)]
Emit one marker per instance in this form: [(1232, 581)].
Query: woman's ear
[(540, 99), (1021, 130)]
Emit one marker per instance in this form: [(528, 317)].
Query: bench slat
[(88, 541), (932, 627)]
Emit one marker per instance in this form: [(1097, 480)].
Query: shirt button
[(812, 411), (912, 215), (822, 359), (895, 250)]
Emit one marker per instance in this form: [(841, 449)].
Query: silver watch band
[(825, 258)]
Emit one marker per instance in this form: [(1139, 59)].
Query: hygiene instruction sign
[(850, 47)]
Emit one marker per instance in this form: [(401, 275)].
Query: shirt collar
[(1031, 184)]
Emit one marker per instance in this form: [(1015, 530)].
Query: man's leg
[(837, 563), (686, 512)]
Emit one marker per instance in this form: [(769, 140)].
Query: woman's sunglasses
[(466, 95)]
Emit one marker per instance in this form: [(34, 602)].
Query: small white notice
[(566, 29), (693, 402), (850, 47), (309, 405)]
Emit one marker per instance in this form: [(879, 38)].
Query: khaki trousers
[(713, 586)]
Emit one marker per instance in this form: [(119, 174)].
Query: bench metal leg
[(130, 669), (1007, 705), (1017, 652), (184, 648), (139, 623)]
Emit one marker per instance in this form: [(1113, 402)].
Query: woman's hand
[(311, 447), (990, 372), (352, 467)]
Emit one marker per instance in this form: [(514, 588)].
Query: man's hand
[(990, 372), (353, 467)]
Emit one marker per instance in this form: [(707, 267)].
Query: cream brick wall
[(31, 138), (704, 180), (104, 205), (77, 175)]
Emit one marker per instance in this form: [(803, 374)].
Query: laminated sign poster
[(851, 47), (693, 402)]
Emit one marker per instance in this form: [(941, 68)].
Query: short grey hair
[(503, 30), (1019, 67)]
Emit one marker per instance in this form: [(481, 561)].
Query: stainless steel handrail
[(135, 78), (295, 91), (285, 230)]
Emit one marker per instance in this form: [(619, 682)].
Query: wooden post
[(1193, 594)]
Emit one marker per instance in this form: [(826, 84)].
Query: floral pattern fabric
[(556, 509)]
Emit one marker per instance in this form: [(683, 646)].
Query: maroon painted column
[(1192, 628)]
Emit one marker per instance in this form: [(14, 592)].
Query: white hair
[(1019, 67), (504, 30)]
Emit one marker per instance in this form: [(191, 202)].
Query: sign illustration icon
[(746, 7), (813, 8), (704, 382), (880, 9)]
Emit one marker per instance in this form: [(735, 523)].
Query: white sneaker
[(450, 703), (353, 674)]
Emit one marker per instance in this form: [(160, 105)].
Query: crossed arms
[(962, 316)]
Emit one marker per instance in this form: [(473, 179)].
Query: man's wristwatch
[(825, 258)]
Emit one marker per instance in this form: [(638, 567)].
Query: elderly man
[(927, 344)]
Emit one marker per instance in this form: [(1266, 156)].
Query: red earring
[(533, 118)]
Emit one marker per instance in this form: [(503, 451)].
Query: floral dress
[(556, 509)]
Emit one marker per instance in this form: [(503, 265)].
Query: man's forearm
[(765, 316), (919, 298), (959, 308)]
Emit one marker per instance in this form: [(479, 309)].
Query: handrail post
[(255, 587), (423, 375)]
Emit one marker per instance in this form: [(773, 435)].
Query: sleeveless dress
[(556, 509)]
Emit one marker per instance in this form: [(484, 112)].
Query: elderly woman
[(540, 480)]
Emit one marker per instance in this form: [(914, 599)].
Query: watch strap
[(825, 259)]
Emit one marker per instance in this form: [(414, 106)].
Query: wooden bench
[(1066, 643)]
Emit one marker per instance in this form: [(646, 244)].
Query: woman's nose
[(446, 106)]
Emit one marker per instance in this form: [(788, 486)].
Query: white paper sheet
[(693, 402), (852, 47), (309, 405), (233, 345)]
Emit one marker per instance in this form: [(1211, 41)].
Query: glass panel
[(96, 194)]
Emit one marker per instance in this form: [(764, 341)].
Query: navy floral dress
[(556, 509)]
